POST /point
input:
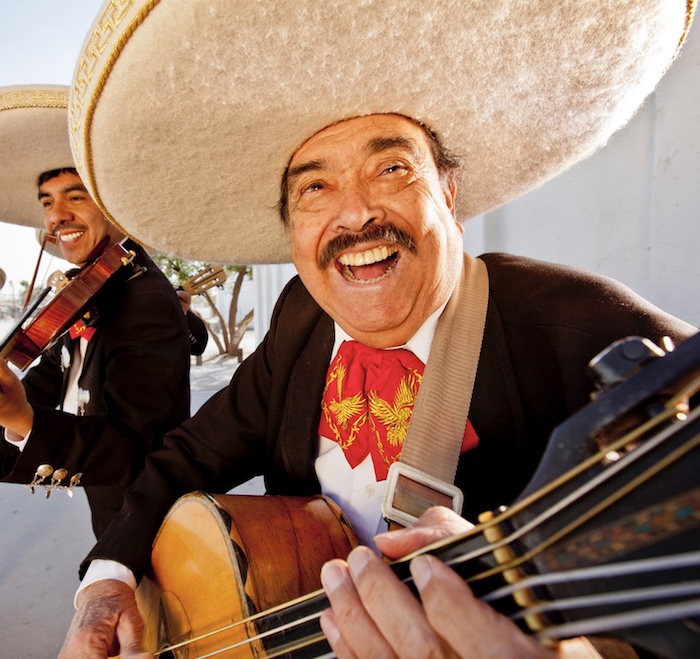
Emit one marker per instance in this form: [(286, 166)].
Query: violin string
[(635, 595), (612, 469)]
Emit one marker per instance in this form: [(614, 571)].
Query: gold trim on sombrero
[(107, 36), (183, 115), (690, 14), (31, 97)]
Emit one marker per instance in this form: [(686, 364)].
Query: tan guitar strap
[(424, 475)]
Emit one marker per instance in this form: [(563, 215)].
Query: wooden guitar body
[(221, 559)]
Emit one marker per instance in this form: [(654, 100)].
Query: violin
[(35, 333)]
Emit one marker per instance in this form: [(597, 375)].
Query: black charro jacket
[(134, 387), (544, 323)]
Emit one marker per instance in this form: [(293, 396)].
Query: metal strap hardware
[(405, 506)]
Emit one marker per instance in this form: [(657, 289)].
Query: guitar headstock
[(610, 522), (212, 275)]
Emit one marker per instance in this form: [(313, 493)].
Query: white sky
[(40, 41)]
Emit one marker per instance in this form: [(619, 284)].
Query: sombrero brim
[(33, 140), (183, 115)]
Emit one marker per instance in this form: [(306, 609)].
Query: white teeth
[(368, 257), (70, 237)]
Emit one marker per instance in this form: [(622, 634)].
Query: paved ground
[(42, 542)]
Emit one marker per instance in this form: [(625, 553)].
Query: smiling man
[(351, 124), (372, 225), (101, 397), (379, 253), (72, 217)]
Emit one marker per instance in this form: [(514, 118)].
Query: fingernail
[(331, 576), (358, 559), (421, 571)]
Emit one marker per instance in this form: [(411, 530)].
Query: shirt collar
[(419, 344)]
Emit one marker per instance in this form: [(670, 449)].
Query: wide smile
[(369, 266), (70, 237)]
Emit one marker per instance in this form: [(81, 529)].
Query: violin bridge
[(504, 554)]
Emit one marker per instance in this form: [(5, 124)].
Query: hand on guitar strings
[(106, 624), (16, 414), (374, 614)]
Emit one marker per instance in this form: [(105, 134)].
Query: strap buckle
[(402, 470)]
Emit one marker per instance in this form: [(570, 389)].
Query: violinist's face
[(73, 217)]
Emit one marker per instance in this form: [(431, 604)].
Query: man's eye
[(46, 203), (395, 167), (311, 187)]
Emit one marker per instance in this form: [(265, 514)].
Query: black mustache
[(385, 232)]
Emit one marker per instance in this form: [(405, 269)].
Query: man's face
[(73, 217), (373, 230)]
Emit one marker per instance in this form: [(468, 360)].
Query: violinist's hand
[(185, 300), (107, 623), (374, 614), (16, 414)]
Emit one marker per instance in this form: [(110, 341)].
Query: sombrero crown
[(184, 114), (33, 140)]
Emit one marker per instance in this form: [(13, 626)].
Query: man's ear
[(450, 190)]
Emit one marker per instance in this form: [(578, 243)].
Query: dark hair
[(445, 161), (53, 173)]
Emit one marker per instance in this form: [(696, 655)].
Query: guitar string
[(468, 556), (611, 622), (673, 407), (643, 616), (640, 566), (676, 591), (672, 410), (659, 466)]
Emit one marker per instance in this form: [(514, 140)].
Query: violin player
[(112, 386), (372, 200)]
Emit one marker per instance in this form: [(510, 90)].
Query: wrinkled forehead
[(374, 130)]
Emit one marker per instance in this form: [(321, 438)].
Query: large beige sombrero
[(183, 114), (33, 140)]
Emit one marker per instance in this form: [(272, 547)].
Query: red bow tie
[(368, 401), (80, 329)]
